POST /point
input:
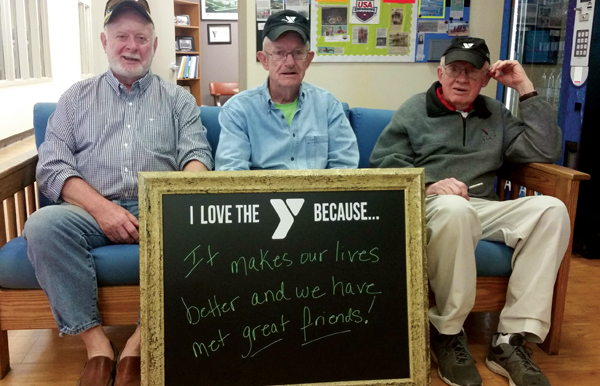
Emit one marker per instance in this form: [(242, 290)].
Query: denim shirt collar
[(269, 102), (138, 87)]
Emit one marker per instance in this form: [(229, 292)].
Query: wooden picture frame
[(219, 10), (178, 211), (218, 33)]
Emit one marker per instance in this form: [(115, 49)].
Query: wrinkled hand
[(511, 74), (117, 223), (448, 186)]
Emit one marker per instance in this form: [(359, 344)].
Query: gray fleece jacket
[(424, 133)]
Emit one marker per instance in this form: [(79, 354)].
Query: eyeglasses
[(281, 55), (110, 4), (454, 72), (139, 38)]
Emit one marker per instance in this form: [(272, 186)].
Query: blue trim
[(569, 120), (506, 16)]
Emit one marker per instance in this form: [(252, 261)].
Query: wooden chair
[(218, 89), (547, 179)]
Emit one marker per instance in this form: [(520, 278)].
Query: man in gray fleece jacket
[(461, 138)]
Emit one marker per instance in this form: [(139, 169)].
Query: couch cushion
[(493, 259), (368, 125), (209, 115), (115, 265), (41, 113)]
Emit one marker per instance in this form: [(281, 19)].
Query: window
[(24, 52), (85, 37)]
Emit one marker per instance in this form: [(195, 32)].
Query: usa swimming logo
[(364, 10)]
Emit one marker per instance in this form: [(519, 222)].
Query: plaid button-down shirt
[(106, 135)]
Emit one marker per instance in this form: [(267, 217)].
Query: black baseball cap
[(286, 21), (114, 7), (466, 49)]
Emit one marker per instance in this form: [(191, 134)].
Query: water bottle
[(550, 89), (544, 86), (556, 99)]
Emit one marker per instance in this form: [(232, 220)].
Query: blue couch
[(119, 264), (24, 306)]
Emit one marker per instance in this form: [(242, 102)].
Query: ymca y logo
[(286, 215)]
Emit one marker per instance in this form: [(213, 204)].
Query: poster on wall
[(363, 31), (219, 9)]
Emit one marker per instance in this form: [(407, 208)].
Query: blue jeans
[(59, 240)]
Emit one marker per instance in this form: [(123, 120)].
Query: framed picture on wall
[(219, 9), (219, 33)]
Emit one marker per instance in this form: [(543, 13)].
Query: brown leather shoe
[(128, 372), (98, 371)]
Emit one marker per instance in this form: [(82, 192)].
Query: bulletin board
[(439, 21), (363, 31), (377, 30)]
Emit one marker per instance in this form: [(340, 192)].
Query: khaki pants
[(538, 228)]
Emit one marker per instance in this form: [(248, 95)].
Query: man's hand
[(195, 166), (117, 223), (511, 74), (448, 186)]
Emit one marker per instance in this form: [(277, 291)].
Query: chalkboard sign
[(263, 282)]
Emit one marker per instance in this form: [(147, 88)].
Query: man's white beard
[(137, 72)]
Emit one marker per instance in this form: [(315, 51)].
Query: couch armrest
[(17, 178), (548, 179)]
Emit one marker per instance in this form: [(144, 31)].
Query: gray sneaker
[(513, 361), (456, 366)]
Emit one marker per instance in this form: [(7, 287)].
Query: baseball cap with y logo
[(286, 21), (114, 7), (466, 49)]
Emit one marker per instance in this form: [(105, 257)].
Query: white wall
[(16, 102), (375, 85)]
